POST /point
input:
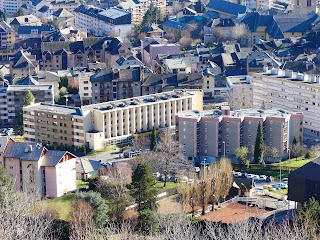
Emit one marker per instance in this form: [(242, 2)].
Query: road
[(113, 156)]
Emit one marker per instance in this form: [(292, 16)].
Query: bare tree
[(23, 218), (226, 176), (193, 197), (271, 152), (239, 31), (240, 97), (82, 225)]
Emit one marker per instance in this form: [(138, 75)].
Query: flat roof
[(54, 108), (29, 87), (142, 100), (216, 113)]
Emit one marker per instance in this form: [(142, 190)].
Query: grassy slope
[(61, 205)]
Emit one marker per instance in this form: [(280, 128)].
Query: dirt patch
[(233, 213), (169, 205)]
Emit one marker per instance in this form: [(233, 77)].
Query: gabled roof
[(43, 9), (4, 140), (22, 59), (53, 157), (87, 165), (61, 12), (309, 171), (22, 151), (296, 22), (104, 75), (227, 7), (27, 80), (31, 29), (254, 20), (174, 25)]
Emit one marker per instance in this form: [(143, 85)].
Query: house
[(86, 168), (175, 27), (7, 35), (62, 18), (37, 170), (151, 47), (27, 20), (26, 32), (4, 141), (304, 183), (225, 8), (23, 63)]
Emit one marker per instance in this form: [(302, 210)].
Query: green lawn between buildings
[(273, 169), (62, 206)]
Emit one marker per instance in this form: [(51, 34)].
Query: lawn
[(293, 163), (281, 191), (81, 184), (169, 185), (107, 149), (62, 206), (273, 169)]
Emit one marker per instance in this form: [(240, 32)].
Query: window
[(308, 3)]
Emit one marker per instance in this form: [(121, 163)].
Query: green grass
[(169, 185), (293, 163), (62, 206), (281, 191), (81, 184), (273, 173)]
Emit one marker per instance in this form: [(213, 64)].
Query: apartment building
[(10, 6), (7, 35), (291, 91), (239, 91), (215, 133), (99, 125), (111, 22), (11, 100), (139, 8), (69, 5), (37, 170)]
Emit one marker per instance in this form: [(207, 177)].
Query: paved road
[(113, 156)]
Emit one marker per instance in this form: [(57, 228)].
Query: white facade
[(290, 91), (85, 86), (10, 6)]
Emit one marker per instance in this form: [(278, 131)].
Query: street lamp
[(246, 197), (224, 149), (289, 151)]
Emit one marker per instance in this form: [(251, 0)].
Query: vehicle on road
[(262, 178), (285, 180), (269, 187), (236, 174)]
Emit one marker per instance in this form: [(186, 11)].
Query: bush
[(309, 154), (147, 221)]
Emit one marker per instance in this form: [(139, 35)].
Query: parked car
[(244, 175), (269, 187), (262, 177), (282, 185), (256, 177), (277, 186), (237, 174), (285, 180), (269, 179)]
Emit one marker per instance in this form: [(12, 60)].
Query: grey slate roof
[(3, 142), (52, 158), (87, 165), (226, 7), (18, 150)]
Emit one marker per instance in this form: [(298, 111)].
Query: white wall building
[(10, 6), (291, 91)]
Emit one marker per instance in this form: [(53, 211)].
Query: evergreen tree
[(259, 146), (28, 100), (153, 144), (20, 12), (143, 187), (98, 204), (294, 142)]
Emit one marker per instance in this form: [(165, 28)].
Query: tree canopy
[(28, 99), (259, 146), (98, 204), (143, 187), (152, 14)]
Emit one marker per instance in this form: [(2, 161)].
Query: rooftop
[(29, 87), (216, 113), (143, 100), (53, 108)]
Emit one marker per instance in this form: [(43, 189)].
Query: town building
[(291, 91), (23, 63), (11, 7), (7, 36), (304, 183), (86, 168), (138, 8), (217, 133), (99, 125), (13, 96), (113, 22), (39, 171), (62, 18)]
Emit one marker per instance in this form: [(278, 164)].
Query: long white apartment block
[(291, 91), (108, 123)]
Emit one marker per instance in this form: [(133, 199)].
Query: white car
[(256, 177), (250, 175), (260, 191), (285, 180), (262, 177), (237, 174)]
